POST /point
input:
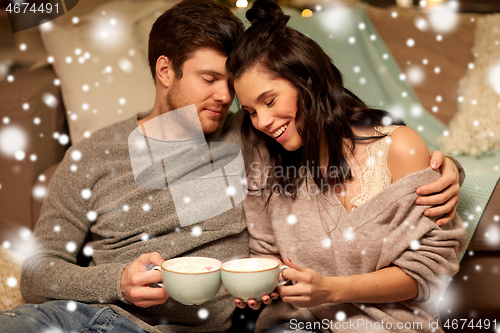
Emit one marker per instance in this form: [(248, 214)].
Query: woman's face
[(272, 105)]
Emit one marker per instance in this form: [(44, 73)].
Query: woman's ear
[(164, 71)]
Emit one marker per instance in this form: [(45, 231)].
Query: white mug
[(186, 283), (251, 278)]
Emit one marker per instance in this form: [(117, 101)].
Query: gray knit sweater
[(124, 222), (387, 229)]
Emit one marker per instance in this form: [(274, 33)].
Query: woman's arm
[(404, 272), (387, 285)]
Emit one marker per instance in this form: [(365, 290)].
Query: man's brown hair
[(188, 26)]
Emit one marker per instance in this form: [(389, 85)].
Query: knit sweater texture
[(389, 229), (94, 207)]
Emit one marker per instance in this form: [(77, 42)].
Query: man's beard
[(176, 100)]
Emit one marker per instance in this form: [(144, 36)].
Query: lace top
[(375, 176)]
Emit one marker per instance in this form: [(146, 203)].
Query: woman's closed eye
[(251, 113), (270, 103)]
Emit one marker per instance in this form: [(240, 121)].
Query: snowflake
[(231, 191), (340, 316), (12, 282), (63, 139), (203, 313), (291, 219), (39, 192), (19, 155), (421, 24), (415, 75), (92, 216), (71, 306), (146, 207), (71, 247), (416, 111), (125, 65), (444, 18), (86, 194), (88, 251), (326, 242), (25, 233), (349, 234), (415, 245), (410, 42), (386, 121), (196, 231), (12, 140), (76, 155)]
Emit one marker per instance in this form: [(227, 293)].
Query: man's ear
[(164, 71)]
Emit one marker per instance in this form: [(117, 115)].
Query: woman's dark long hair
[(323, 104)]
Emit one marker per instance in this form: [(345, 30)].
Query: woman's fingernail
[(289, 259), (434, 164), (418, 201)]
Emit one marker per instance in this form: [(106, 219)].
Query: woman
[(332, 186)]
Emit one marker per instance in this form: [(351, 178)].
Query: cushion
[(10, 277), (476, 126), (101, 62)]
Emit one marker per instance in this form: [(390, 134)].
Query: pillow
[(10, 277), (475, 128), (102, 65)]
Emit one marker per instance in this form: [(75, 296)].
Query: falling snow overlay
[(108, 72)]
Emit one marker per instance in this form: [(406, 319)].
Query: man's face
[(203, 83)]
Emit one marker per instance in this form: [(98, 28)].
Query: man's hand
[(444, 193), (136, 278)]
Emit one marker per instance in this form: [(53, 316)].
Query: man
[(123, 229)]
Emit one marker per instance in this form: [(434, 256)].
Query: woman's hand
[(444, 193), (255, 305), (310, 288)]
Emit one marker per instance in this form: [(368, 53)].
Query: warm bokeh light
[(307, 13), (241, 3)]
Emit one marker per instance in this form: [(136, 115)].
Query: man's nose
[(223, 95)]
